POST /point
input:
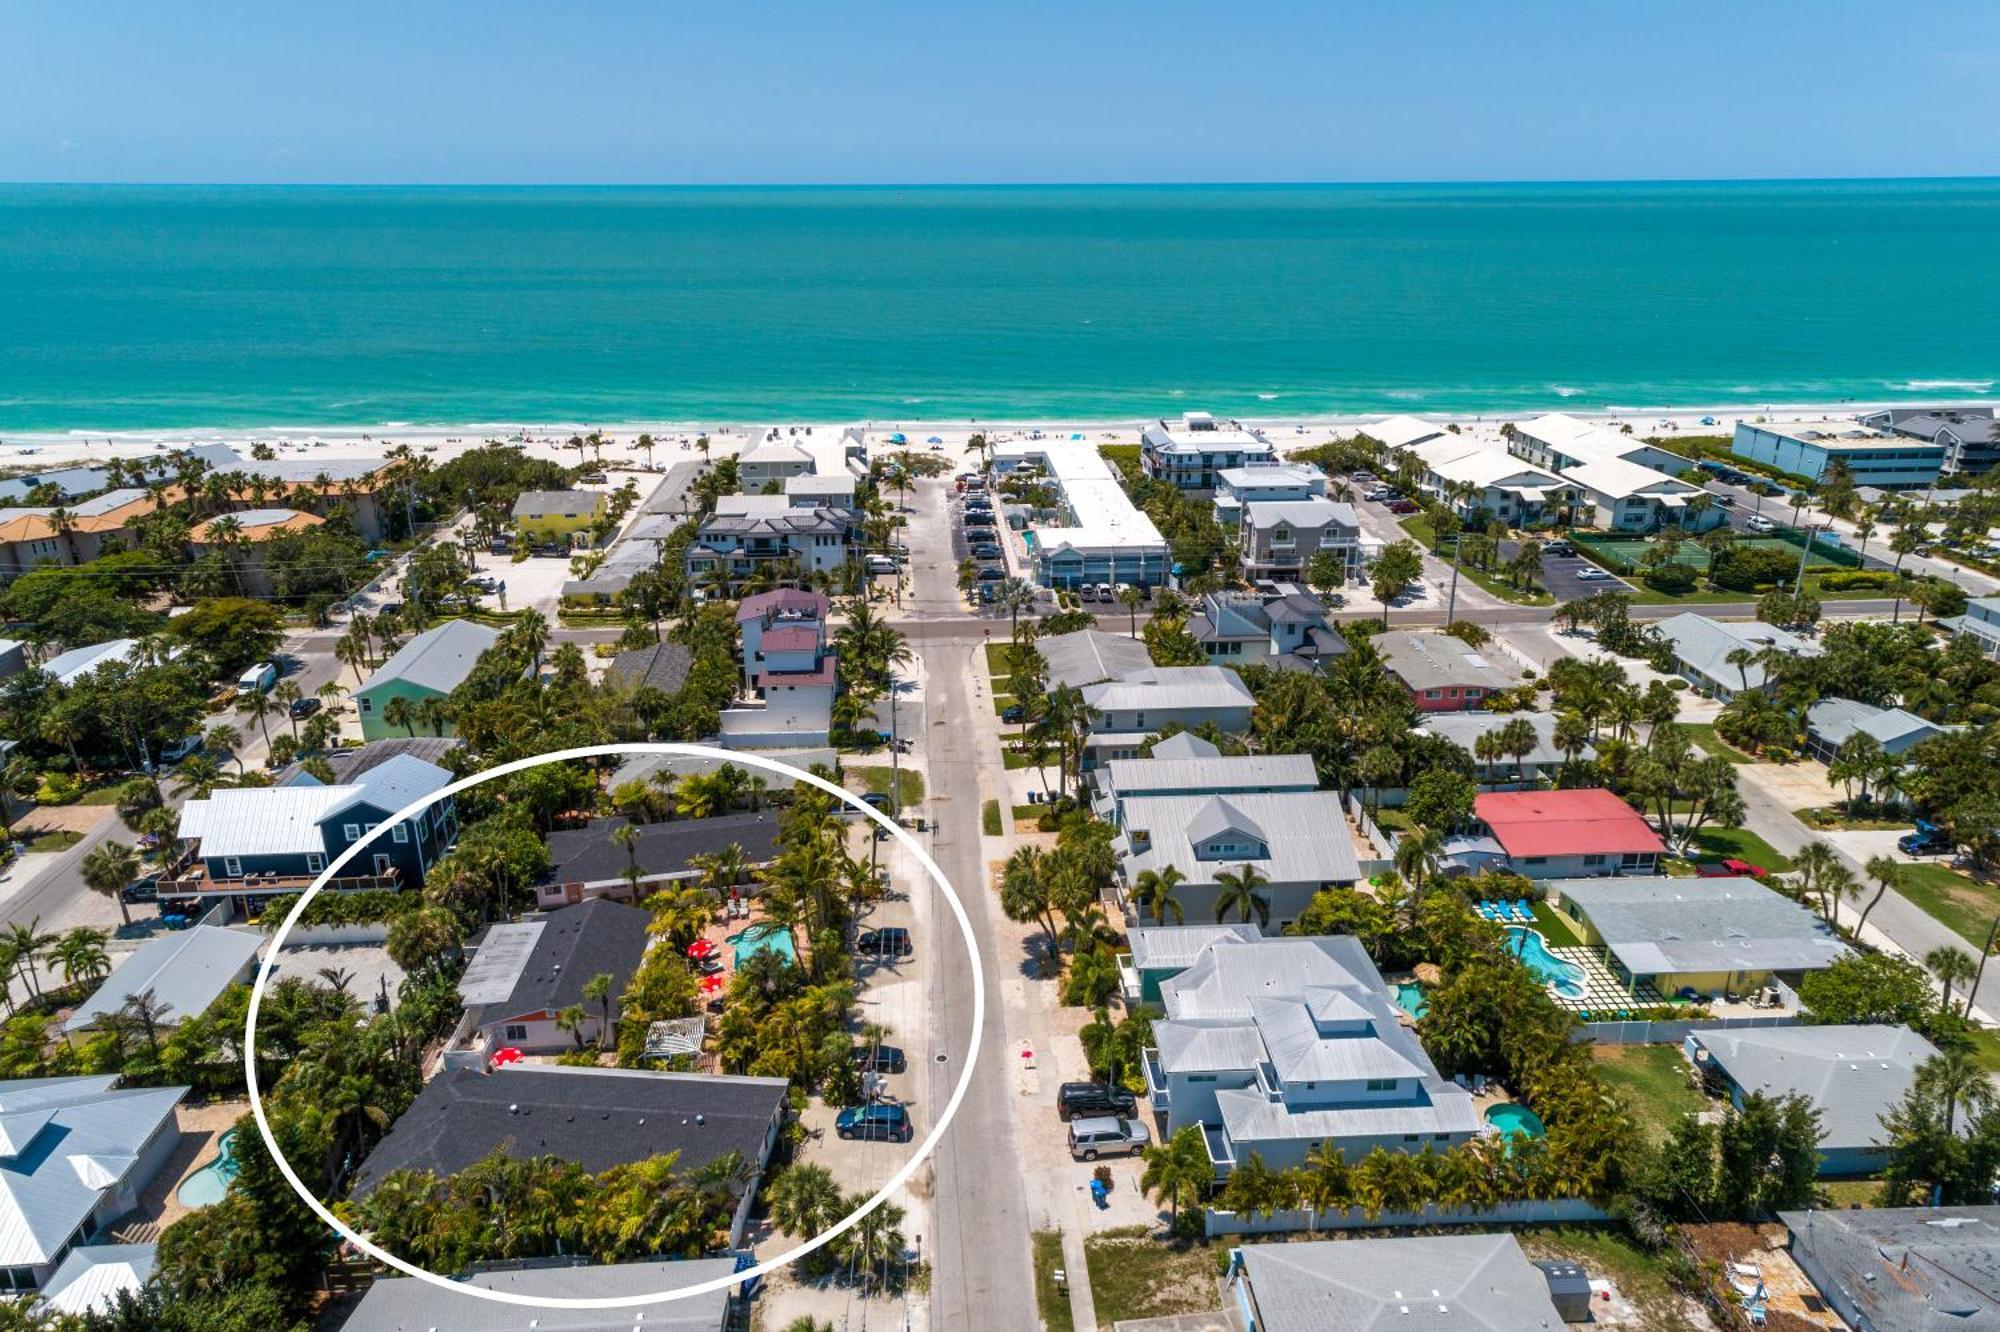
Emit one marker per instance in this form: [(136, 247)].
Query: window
[(315, 862), (232, 867), (1381, 1084), (1433, 693), (1538, 860), (514, 1031), (1410, 1137), (1593, 860), (350, 832), (1201, 1077), (400, 833), (365, 703)]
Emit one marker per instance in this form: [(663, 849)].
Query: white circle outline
[(896, 1181)]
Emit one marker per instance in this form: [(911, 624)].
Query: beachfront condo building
[(1873, 458), (1098, 535), (1279, 539), (1189, 453), (1970, 436)]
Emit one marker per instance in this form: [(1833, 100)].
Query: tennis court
[(1633, 549)]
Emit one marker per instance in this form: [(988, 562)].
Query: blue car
[(889, 1123)]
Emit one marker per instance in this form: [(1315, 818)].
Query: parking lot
[(1568, 577)]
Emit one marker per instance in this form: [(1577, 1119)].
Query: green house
[(430, 665)]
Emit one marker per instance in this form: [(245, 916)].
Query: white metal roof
[(183, 970), (89, 1142), (93, 1276), (1170, 687)]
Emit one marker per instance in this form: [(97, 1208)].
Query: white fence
[(1353, 1218), (1671, 1033), (1382, 852)]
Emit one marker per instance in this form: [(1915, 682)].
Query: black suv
[(879, 1058), (891, 942), (1082, 1100)]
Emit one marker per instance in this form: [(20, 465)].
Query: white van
[(880, 564), (257, 679)]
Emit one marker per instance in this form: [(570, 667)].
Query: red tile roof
[(1565, 823)]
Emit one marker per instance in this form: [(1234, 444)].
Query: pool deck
[(159, 1207)]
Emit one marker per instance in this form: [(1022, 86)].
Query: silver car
[(1107, 1135)]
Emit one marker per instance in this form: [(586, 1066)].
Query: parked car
[(1107, 1135), (1087, 591), (1013, 713), (1403, 506), (1723, 501), (1731, 869), (257, 679), (986, 550), (141, 890), (1927, 840), (1756, 522), (1558, 547), (180, 749), (887, 1123), (303, 708), (893, 941), (593, 478), (1590, 573), (1094, 1100), (979, 520), (879, 1058), (880, 564), (992, 573), (1106, 593), (875, 798)]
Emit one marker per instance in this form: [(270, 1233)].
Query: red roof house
[(1569, 834)]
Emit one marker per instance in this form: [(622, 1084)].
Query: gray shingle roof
[(1463, 1283), (588, 855), (404, 1304), (1832, 721), (576, 943), (1853, 1074), (437, 659), (1655, 925), (596, 1117), (1215, 773), (1431, 660), (1464, 729), (663, 666), (184, 970), (1904, 1269)]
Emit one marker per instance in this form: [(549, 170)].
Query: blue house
[(256, 842)]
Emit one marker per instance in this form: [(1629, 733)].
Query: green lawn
[(1609, 1251), (1051, 1302), (1965, 904), (1029, 812), (1551, 923), (1652, 1081), (1420, 529), (61, 840), (1015, 759), (989, 818), (1133, 1275), (1986, 1048), (1703, 734), (910, 784), (1830, 816), (1742, 844), (999, 658), (1841, 1193), (1002, 702)]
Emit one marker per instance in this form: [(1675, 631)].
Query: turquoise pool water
[(1515, 1121), (1410, 998), (208, 1184), (762, 939), (1565, 977)]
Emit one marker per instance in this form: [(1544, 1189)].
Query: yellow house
[(1712, 936), (556, 515)]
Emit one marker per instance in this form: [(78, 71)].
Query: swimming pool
[(765, 938), (208, 1184), (1566, 978), (1410, 998), (1515, 1121)]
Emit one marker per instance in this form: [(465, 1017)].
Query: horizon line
[(1496, 182)]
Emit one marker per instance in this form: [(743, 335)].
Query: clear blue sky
[(705, 91)]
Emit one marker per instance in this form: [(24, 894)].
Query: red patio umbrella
[(710, 984), (506, 1054), (701, 948)]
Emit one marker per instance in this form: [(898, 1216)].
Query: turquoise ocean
[(237, 307)]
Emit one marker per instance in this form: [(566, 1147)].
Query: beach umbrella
[(509, 1054), (1076, 436), (935, 439), (711, 984), (701, 948), (899, 438)]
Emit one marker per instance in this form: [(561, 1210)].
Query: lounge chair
[(1523, 910)]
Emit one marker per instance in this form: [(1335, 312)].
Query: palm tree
[(25, 944), (571, 1020), (226, 739), (399, 711), (1237, 890), (1155, 889), (107, 869), (286, 693), (1178, 1171), (597, 990), (1956, 1079), (80, 953), (804, 1200), (1950, 965), (1131, 597), (1887, 874), (1819, 871), (626, 837), (260, 706), (198, 775), (1024, 891)]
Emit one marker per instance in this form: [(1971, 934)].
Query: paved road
[(982, 1272)]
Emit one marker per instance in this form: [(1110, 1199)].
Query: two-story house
[(1981, 624), (256, 842), (1189, 454), (1279, 538), (795, 620), (1288, 631), (1276, 1046), (1291, 843), (1238, 486), (1127, 711), (429, 666), (770, 463), (747, 532), (1442, 673), (557, 515)]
